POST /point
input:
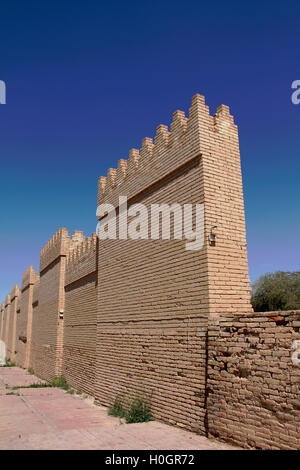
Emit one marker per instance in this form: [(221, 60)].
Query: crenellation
[(57, 246), (29, 277), (82, 260), (161, 141), (102, 181), (14, 292), (178, 128), (156, 160), (146, 151), (111, 179), (121, 170), (7, 300)]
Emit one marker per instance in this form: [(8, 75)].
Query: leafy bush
[(276, 291)]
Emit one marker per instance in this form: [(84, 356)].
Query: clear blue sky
[(86, 81)]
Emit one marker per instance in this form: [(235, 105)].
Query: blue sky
[(86, 81)]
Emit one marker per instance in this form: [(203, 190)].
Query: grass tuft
[(117, 409), (8, 363), (138, 411), (58, 382)]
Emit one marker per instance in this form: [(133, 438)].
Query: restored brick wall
[(149, 309), (253, 385), (47, 337), (79, 349), (153, 294)]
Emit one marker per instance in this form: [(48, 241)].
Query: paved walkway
[(49, 418)]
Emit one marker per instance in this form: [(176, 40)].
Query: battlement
[(59, 245), (7, 300), (29, 277), (82, 259), (81, 251), (14, 291), (170, 150)]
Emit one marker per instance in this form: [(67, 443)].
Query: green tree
[(276, 291)]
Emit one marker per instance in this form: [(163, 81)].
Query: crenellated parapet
[(29, 277), (59, 245), (169, 151), (15, 291), (81, 261), (7, 300)]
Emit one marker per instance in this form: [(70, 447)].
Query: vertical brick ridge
[(228, 280), (7, 320), (2, 310), (24, 317), (11, 323)]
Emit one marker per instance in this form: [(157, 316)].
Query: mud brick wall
[(79, 349), (253, 385)]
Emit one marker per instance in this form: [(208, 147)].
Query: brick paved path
[(49, 418)]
